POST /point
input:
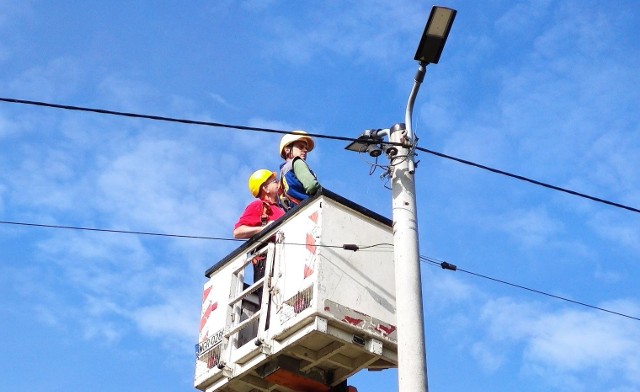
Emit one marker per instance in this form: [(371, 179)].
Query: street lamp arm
[(422, 70)]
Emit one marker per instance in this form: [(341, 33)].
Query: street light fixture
[(371, 142), (412, 358), (435, 35)]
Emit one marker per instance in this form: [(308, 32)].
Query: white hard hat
[(293, 137)]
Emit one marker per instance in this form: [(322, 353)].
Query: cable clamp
[(448, 266), (352, 247)]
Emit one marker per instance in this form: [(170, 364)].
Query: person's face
[(299, 149), (270, 187)]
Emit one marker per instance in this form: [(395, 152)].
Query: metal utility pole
[(412, 358)]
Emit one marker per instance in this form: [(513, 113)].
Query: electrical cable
[(452, 267), (356, 248), (352, 247), (117, 231), (322, 136), (167, 119), (532, 181)]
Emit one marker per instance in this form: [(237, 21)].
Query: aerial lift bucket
[(302, 306)]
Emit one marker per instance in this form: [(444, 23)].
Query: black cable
[(356, 248), (352, 247), (167, 119), (322, 136), (453, 267), (117, 231), (535, 182)]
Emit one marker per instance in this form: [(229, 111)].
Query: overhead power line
[(148, 233), (322, 136), (532, 181), (351, 247), (452, 267), (164, 118)]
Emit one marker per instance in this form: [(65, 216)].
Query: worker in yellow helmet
[(297, 180), (259, 213)]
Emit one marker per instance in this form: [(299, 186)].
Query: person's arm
[(245, 232), (307, 179), (249, 223)]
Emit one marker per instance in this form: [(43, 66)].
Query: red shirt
[(253, 213)]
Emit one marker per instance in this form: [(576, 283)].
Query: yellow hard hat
[(258, 178), (292, 137)]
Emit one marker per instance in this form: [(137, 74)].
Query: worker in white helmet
[(259, 213), (297, 180)]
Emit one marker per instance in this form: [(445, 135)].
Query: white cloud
[(489, 359), (222, 101), (533, 227), (11, 127), (129, 180), (55, 79), (617, 229), (174, 317), (257, 5), (11, 10), (545, 117), (121, 93), (566, 343), (449, 290), (361, 34), (522, 16)]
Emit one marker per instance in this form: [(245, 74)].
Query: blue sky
[(544, 89)]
